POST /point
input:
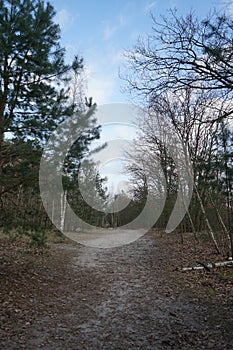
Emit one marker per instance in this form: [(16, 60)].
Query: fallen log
[(208, 266)]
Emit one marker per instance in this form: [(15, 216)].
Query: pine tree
[(31, 64), (38, 91)]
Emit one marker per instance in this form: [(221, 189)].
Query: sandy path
[(113, 299), (106, 238)]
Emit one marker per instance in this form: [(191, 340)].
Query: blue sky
[(101, 30)]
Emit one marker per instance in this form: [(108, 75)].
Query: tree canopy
[(183, 71), (38, 91), (184, 51)]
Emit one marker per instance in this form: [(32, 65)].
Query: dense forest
[(39, 91), (182, 76), (171, 288)]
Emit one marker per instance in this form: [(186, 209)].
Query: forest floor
[(73, 297)]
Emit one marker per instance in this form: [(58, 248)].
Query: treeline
[(183, 74), (38, 92)]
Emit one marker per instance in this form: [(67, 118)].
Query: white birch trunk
[(53, 210), (211, 232), (222, 223), (209, 265), (63, 209)]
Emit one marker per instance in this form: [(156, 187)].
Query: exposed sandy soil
[(106, 238), (131, 297)]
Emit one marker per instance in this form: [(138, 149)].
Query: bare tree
[(185, 52), (187, 112)]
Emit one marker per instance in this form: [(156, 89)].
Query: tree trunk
[(63, 209), (222, 223), (192, 225), (208, 266), (211, 232), (53, 210)]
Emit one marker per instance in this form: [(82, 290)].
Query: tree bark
[(211, 232), (63, 209), (222, 223), (209, 266)]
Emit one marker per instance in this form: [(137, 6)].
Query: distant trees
[(87, 195)]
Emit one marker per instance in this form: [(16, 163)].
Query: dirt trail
[(119, 298)]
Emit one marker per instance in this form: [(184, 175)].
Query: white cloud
[(122, 20), (117, 57), (149, 6), (109, 31), (64, 18), (125, 131), (100, 87), (103, 78)]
